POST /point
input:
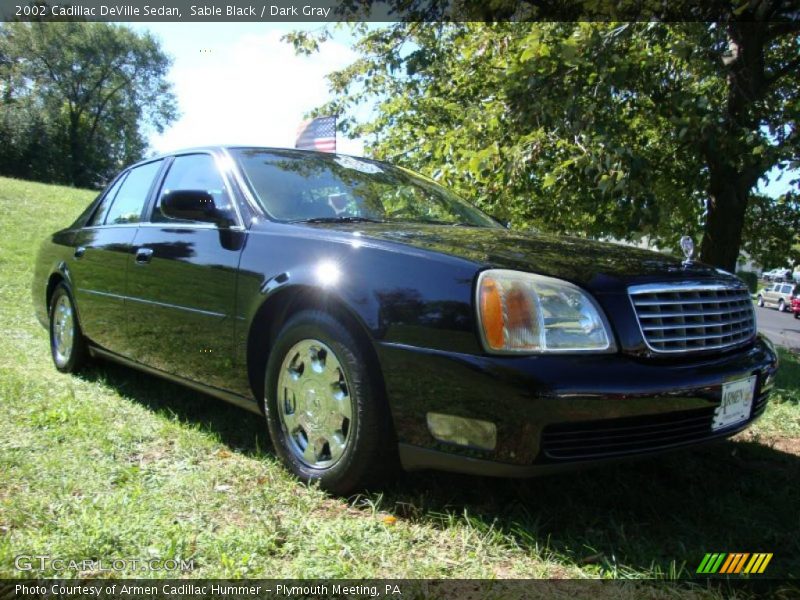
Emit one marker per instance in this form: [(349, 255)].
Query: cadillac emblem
[(687, 245)]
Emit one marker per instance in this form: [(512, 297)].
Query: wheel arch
[(53, 281), (60, 274), (286, 301)]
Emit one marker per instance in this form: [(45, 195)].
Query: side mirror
[(193, 205)]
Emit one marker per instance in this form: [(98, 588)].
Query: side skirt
[(235, 399)]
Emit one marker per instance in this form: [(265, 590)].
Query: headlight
[(522, 313)]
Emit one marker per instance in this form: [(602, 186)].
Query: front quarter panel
[(403, 296)]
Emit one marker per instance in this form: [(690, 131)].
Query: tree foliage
[(79, 99), (593, 128), (771, 230)]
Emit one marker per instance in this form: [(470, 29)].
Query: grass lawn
[(118, 464)]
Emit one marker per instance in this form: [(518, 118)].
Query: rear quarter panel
[(51, 259)]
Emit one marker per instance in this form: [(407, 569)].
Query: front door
[(182, 282)]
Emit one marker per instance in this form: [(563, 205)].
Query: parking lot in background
[(782, 328)]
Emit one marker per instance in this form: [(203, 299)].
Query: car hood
[(599, 266)]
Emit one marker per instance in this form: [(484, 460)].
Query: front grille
[(693, 317), (632, 435)]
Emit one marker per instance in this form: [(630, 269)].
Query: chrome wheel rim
[(314, 404), (63, 330)]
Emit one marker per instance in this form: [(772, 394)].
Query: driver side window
[(193, 172)]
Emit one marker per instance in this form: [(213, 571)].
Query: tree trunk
[(727, 203), (77, 168), (731, 168)]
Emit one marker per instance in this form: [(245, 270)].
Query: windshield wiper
[(338, 220), (435, 222)]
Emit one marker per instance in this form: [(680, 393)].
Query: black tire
[(797, 315), (370, 454), (78, 355), (760, 301)]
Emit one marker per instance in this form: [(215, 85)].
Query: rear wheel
[(326, 413), (67, 344), (760, 300), (781, 306)]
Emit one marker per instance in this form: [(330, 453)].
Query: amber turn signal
[(492, 313)]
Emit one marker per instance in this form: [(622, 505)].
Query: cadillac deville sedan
[(376, 320)]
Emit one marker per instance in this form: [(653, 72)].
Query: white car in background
[(778, 295), (778, 274)]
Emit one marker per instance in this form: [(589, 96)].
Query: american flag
[(317, 134)]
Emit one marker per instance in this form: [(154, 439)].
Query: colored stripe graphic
[(734, 563), (711, 563), (758, 563)]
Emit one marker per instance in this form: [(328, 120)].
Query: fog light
[(461, 431), (769, 382)]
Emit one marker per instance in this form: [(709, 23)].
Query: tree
[(772, 230), (89, 91), (595, 128)]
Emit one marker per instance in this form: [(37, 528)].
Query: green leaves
[(78, 99), (598, 129)]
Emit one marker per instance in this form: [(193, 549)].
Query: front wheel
[(326, 413), (67, 344)]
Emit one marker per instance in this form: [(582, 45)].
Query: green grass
[(116, 464)]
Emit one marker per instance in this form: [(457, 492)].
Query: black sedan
[(377, 320)]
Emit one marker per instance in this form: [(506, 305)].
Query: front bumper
[(555, 412)]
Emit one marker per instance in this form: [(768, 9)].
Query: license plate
[(737, 400)]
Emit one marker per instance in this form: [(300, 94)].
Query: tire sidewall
[(351, 467), (73, 363)]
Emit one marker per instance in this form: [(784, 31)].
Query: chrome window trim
[(180, 224), (241, 182)]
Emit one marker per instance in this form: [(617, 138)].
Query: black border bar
[(331, 11)]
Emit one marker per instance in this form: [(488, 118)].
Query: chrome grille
[(693, 317)]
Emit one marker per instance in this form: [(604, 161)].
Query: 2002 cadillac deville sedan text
[(375, 318)]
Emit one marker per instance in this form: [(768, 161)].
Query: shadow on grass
[(240, 430), (657, 515)]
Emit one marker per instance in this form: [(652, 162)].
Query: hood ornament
[(687, 245)]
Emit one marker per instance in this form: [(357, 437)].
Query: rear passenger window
[(130, 200), (787, 289), (100, 213), (193, 172)]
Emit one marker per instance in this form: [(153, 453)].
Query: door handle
[(143, 255), (80, 251)]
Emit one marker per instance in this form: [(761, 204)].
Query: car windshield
[(294, 186)]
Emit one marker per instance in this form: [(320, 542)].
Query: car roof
[(222, 147)]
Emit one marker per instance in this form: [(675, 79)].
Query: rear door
[(102, 250), (182, 281), (771, 293)]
